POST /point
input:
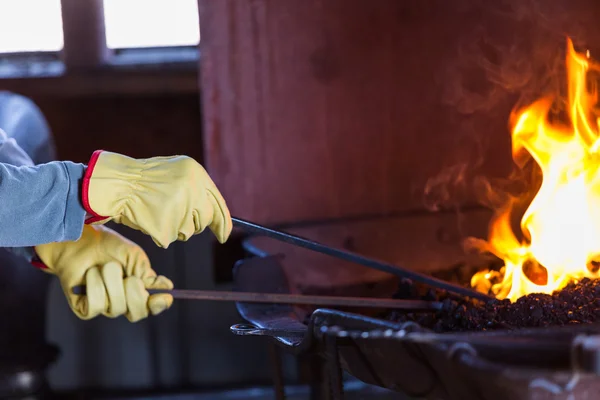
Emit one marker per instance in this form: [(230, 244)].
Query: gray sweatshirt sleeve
[(38, 203)]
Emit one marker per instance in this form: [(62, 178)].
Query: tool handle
[(79, 290), (82, 290)]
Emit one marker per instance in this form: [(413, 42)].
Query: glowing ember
[(562, 224)]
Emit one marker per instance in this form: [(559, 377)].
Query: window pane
[(30, 25), (151, 23)]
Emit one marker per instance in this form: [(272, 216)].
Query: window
[(150, 46), (151, 23), (22, 30), (37, 26)]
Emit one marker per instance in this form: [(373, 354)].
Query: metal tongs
[(251, 227)]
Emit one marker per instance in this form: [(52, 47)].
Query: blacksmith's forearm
[(40, 204), (37, 204)]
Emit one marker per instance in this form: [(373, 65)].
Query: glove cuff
[(37, 262), (85, 196)]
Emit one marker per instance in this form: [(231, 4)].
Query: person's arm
[(38, 204)]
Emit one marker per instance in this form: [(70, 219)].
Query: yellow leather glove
[(168, 198), (116, 273)]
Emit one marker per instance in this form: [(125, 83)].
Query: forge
[(411, 353), (537, 336)]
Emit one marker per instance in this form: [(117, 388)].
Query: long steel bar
[(275, 298), (358, 259)]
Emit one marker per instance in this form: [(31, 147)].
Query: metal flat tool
[(358, 259)]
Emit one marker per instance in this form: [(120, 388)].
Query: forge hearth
[(540, 347), (577, 303)]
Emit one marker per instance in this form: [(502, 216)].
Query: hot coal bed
[(577, 303)]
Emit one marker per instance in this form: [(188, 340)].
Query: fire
[(561, 226)]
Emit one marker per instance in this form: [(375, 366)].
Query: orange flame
[(562, 223)]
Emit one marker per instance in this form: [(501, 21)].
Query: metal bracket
[(253, 330)]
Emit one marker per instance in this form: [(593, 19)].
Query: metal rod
[(275, 298), (358, 259)]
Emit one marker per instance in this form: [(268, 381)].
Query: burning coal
[(560, 228)]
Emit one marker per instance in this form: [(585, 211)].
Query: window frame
[(87, 67)]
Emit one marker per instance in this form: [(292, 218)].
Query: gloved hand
[(116, 273), (168, 198)]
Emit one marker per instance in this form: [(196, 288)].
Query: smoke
[(513, 55)]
